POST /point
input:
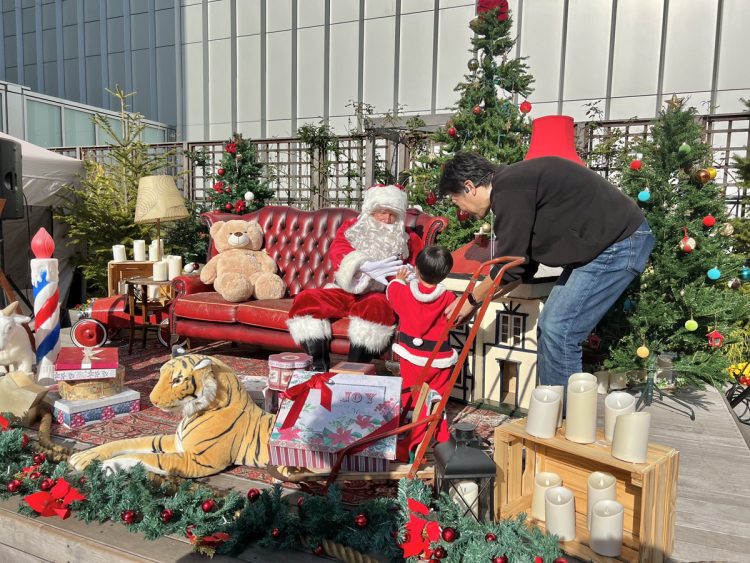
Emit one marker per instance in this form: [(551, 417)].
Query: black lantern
[(466, 473)]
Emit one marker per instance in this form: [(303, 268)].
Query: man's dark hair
[(465, 165), (434, 263)]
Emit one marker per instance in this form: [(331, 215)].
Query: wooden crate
[(120, 271), (647, 491)]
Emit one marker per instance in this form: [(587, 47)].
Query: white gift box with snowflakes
[(76, 414)]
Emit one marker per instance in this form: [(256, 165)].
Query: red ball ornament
[(46, 484), (300, 501), (431, 198), (538, 559), (276, 533), (490, 537), (40, 458), (635, 164), (440, 552), (500, 559), (228, 207), (687, 244), (319, 551), (128, 516), (227, 190), (360, 520), (452, 131), (209, 505), (166, 515), (560, 560), (221, 171), (477, 110), (449, 534), (13, 485), (253, 494), (525, 106), (709, 221), (35, 475), (24, 440), (463, 215)]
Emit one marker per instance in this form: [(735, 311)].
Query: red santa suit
[(422, 320), (355, 294)]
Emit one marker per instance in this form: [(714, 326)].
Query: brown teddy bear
[(241, 269)]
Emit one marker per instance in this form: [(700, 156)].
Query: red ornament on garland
[(709, 221), (525, 106), (276, 533), (219, 187), (538, 559), (449, 534), (715, 339), (209, 505), (440, 552), (253, 494), (13, 485), (221, 171), (431, 198), (319, 551), (24, 440), (128, 516), (40, 458), (360, 520), (452, 132), (500, 559), (46, 484), (34, 475), (166, 515), (490, 537), (300, 501), (635, 164), (463, 215), (228, 207), (560, 560), (476, 110)]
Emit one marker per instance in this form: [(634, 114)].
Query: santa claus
[(365, 253)]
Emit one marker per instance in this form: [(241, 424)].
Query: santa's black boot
[(360, 354), (319, 350)]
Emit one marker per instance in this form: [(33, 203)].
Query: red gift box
[(281, 367), (86, 363)]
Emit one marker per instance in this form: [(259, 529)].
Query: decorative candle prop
[(161, 270), (44, 280), (466, 495), (580, 421), (560, 390), (602, 380), (606, 528), (139, 250), (560, 513), (601, 486), (119, 253), (544, 410), (153, 255), (542, 482), (615, 404), (630, 440), (581, 376), (174, 266), (618, 381)]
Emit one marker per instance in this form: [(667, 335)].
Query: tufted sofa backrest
[(298, 241)]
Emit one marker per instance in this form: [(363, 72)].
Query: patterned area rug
[(142, 372)]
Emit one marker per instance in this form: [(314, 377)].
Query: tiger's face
[(186, 384)]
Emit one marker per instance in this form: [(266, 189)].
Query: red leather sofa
[(298, 241)]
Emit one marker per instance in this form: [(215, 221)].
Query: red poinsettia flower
[(363, 421), (231, 148), (342, 436), (487, 5), (289, 434), (56, 501), (4, 423), (240, 205), (420, 532), (30, 469)]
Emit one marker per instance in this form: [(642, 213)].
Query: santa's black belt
[(426, 344)]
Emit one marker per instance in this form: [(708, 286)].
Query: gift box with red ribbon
[(321, 413), (86, 363)]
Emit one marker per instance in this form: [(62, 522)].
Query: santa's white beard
[(377, 240)]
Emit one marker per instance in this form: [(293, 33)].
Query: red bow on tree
[(298, 394), (487, 5), (206, 545), (420, 532), (4, 424), (56, 501), (231, 148)]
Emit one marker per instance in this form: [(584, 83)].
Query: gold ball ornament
[(712, 172), (474, 24), (642, 352), (727, 230), (486, 228), (703, 176)]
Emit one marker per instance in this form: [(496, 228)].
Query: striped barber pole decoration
[(44, 280)]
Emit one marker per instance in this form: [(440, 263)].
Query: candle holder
[(466, 473), (648, 388)]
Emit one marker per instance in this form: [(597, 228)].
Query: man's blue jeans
[(579, 300)]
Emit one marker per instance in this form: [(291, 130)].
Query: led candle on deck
[(544, 410), (560, 390), (601, 486), (542, 482), (160, 271), (606, 528), (630, 440), (618, 381), (119, 253), (175, 266), (602, 380), (580, 418), (560, 513), (139, 250), (615, 404)]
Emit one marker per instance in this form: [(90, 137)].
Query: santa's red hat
[(391, 197)]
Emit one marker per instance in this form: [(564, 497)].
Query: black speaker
[(11, 179)]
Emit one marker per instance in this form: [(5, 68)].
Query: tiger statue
[(221, 425)]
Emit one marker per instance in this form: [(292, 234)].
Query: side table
[(141, 311)]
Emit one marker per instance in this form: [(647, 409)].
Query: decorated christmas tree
[(687, 302), (486, 118)]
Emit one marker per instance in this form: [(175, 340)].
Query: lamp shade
[(159, 200), (553, 135)]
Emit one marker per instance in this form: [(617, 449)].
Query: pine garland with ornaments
[(412, 526), (687, 301), (486, 118)]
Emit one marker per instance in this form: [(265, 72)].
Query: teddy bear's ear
[(215, 228), (255, 232)]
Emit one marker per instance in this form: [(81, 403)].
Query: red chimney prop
[(553, 135)]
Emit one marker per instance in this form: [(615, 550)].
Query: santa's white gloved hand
[(382, 269)]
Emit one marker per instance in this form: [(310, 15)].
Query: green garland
[(227, 523)]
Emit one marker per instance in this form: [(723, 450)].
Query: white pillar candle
[(152, 291), (175, 266), (606, 528), (560, 513), (542, 482), (119, 253), (544, 410), (618, 380), (630, 440), (615, 404), (581, 376), (152, 256), (602, 380), (466, 495), (139, 250), (160, 271), (560, 390), (601, 486), (580, 421)]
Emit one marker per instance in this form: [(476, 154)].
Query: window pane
[(44, 128), (79, 129), (103, 137), (153, 135)]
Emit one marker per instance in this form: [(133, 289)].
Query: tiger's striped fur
[(221, 425)]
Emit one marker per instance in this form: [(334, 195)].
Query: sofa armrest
[(187, 285)]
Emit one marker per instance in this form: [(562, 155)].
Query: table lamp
[(159, 200)]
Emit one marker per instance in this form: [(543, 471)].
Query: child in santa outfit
[(420, 305)]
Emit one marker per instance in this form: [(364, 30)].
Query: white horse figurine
[(15, 346)]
